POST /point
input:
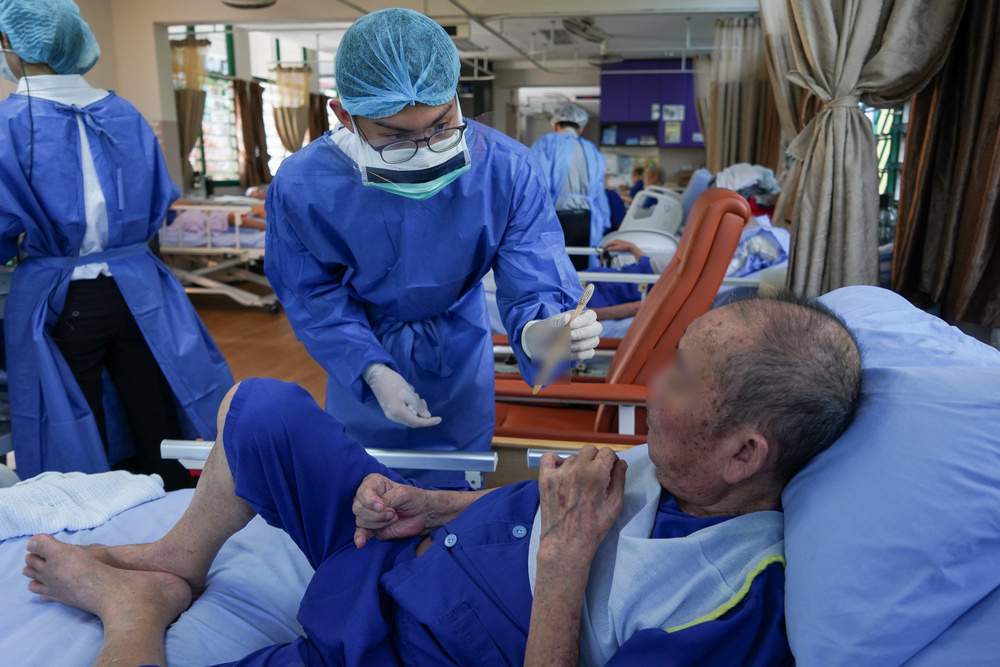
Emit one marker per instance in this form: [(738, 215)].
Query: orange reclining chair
[(612, 411)]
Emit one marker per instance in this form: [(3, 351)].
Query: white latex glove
[(397, 398), (585, 332)]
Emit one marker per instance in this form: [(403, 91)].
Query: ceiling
[(633, 36)]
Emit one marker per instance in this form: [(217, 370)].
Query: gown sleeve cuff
[(524, 330)]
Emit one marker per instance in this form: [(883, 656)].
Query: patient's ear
[(751, 452)]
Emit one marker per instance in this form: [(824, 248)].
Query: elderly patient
[(671, 555)]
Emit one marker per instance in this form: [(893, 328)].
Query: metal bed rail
[(192, 454)]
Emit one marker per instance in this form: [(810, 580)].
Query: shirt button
[(451, 540), (519, 531)]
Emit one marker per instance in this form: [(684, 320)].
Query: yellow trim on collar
[(740, 594)]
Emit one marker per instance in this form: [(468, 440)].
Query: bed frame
[(215, 275)]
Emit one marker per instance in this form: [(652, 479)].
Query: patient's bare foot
[(152, 557), (70, 574)]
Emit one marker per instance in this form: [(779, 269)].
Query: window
[(890, 145), (275, 148), (215, 154)]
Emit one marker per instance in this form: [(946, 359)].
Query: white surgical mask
[(422, 176), (5, 71)]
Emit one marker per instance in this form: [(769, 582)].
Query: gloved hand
[(397, 398), (585, 334)]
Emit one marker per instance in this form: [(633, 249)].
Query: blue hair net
[(571, 114), (51, 32), (394, 57)]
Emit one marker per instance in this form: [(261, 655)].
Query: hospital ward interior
[(456, 332)]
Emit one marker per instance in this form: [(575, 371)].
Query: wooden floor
[(259, 344)]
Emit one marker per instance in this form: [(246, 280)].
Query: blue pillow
[(893, 534)]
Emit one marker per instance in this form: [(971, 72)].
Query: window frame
[(229, 75)]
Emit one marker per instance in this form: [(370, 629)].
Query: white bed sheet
[(175, 238), (253, 595)]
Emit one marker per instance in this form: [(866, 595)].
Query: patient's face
[(682, 410)]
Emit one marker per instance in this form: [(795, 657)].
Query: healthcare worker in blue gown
[(574, 171), (379, 234), (83, 178)]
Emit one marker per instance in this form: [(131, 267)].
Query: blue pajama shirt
[(467, 600)]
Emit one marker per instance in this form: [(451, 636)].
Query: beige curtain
[(779, 59), (188, 68), (879, 52), (291, 107), (732, 95)]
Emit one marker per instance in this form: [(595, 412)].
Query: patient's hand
[(389, 510), (617, 245), (580, 498)]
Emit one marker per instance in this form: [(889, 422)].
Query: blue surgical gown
[(467, 600), (616, 208), (368, 276), (555, 154), (51, 423)]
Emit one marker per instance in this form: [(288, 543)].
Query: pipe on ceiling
[(496, 34), (353, 6)]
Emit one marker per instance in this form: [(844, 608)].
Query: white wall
[(97, 13)]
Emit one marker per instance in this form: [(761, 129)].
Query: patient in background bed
[(217, 222), (406, 575), (761, 246)]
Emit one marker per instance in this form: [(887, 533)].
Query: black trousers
[(97, 332), (576, 229)]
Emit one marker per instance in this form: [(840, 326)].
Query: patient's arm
[(388, 510), (619, 312), (580, 498)]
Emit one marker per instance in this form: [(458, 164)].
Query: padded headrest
[(894, 533)]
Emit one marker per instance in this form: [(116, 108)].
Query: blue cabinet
[(615, 98), (650, 98)]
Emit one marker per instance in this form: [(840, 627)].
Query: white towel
[(56, 501)]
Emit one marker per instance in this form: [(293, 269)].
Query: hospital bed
[(891, 535), (237, 246)]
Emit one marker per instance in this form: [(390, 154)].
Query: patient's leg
[(135, 607), (279, 455), (214, 515)]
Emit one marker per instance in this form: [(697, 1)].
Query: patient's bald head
[(758, 388), (798, 379)]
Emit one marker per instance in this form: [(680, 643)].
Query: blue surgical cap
[(571, 114), (394, 57), (50, 32)]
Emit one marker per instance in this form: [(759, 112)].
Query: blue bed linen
[(253, 595), (249, 238), (893, 534)]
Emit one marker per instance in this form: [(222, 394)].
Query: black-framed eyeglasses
[(402, 150)]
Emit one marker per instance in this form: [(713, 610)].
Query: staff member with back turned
[(574, 170), (82, 176), (379, 234)]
